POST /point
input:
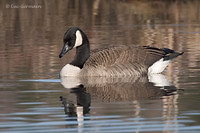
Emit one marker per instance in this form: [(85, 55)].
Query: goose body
[(114, 61)]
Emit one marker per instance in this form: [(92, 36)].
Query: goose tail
[(162, 63), (170, 54)]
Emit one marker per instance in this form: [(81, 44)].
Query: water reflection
[(77, 103), (108, 90)]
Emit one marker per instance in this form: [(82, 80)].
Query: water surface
[(34, 99)]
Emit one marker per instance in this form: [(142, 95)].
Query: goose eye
[(72, 41), (70, 44)]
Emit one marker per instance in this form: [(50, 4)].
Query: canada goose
[(114, 61)]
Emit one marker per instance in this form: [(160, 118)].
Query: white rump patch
[(70, 70), (158, 66), (79, 39)]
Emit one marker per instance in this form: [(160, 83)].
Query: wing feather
[(123, 60)]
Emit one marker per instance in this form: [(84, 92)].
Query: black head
[(72, 38)]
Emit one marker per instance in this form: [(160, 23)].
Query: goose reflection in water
[(104, 89), (77, 103)]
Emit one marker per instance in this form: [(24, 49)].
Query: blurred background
[(31, 38)]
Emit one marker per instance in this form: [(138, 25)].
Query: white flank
[(79, 39), (70, 70), (158, 66)]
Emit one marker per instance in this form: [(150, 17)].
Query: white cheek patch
[(79, 39)]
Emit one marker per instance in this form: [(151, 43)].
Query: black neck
[(82, 53)]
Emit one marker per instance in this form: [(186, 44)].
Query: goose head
[(73, 38)]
